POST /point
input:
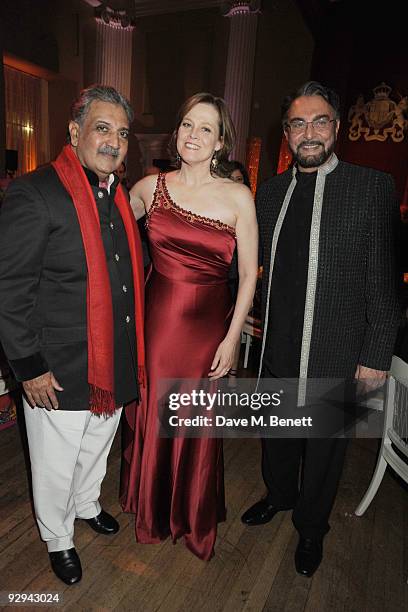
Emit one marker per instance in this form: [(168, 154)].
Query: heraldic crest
[(379, 118)]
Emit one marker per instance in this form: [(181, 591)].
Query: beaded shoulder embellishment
[(157, 199), (162, 198)]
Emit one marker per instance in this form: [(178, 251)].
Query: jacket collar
[(324, 169)]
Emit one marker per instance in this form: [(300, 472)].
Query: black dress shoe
[(104, 523), (308, 556), (66, 565), (258, 514)]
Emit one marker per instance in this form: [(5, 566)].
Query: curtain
[(26, 118), (285, 156)]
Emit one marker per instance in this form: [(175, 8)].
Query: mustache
[(108, 150)]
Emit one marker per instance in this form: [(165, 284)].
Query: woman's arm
[(247, 245), (141, 195)]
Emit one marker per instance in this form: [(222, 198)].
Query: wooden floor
[(364, 566)]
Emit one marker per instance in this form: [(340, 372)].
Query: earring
[(214, 162), (178, 158)]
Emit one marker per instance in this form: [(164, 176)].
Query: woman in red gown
[(195, 218)]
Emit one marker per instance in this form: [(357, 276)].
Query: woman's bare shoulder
[(171, 176), (147, 182), (141, 194), (237, 192), (144, 188)]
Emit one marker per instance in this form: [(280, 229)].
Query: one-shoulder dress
[(175, 486)]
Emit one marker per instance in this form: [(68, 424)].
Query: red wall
[(354, 53)]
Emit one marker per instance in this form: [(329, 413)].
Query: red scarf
[(98, 295)]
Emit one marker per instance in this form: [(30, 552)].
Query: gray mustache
[(108, 150)]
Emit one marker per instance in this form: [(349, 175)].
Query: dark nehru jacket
[(354, 304), (43, 286)]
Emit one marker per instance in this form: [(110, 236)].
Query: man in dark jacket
[(329, 306), (71, 311)]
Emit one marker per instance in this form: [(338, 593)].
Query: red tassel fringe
[(101, 402)]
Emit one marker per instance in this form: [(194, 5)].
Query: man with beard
[(329, 306), (71, 313)]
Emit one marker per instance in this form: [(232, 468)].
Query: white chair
[(395, 431), (251, 329)]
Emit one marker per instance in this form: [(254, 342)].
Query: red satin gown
[(176, 486)]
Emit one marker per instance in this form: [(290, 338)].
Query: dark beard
[(313, 161)]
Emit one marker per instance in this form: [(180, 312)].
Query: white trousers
[(68, 453)]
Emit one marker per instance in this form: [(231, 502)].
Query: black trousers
[(304, 475), (322, 464)]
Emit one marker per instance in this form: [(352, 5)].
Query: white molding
[(241, 7)]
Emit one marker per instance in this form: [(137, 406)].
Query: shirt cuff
[(30, 367)]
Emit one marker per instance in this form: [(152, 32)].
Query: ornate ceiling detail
[(240, 7), (114, 17), (141, 8)]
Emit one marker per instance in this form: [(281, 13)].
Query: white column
[(240, 69), (114, 56)]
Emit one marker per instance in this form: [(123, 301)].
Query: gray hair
[(100, 93), (312, 88)]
